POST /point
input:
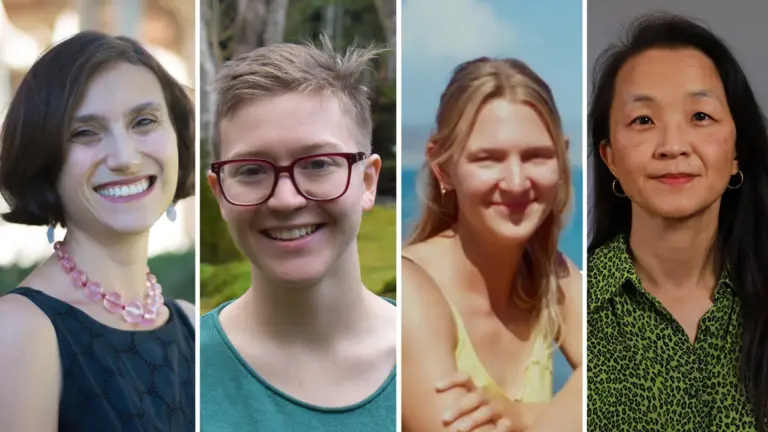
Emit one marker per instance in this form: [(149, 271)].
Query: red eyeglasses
[(319, 177)]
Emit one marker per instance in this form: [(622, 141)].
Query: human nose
[(674, 142), (123, 153), (285, 197), (513, 176)]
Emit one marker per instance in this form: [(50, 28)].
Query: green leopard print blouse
[(643, 373)]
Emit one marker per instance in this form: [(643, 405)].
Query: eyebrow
[(697, 94), (304, 150), (149, 106)]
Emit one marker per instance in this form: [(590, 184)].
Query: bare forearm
[(565, 411), (562, 414)]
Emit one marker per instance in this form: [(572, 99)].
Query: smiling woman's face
[(506, 178), (672, 137), (122, 163)]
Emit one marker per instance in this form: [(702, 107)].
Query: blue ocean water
[(570, 240)]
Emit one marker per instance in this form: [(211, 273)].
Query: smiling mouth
[(676, 179), (127, 189), (291, 234)]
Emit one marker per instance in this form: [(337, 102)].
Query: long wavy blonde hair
[(473, 85)]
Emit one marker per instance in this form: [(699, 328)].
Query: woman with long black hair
[(677, 282)]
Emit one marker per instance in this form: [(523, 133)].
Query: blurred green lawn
[(377, 242)]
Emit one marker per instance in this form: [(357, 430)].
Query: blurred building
[(27, 27)]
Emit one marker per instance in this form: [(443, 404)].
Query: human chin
[(298, 262), (676, 207), (516, 226)]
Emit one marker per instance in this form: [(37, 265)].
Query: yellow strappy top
[(537, 377)]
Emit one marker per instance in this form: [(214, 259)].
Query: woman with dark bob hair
[(99, 138), (677, 282)]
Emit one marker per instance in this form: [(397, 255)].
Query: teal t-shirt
[(234, 398)]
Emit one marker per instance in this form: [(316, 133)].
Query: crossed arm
[(438, 398)]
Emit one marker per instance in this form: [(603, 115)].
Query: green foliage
[(390, 288), (355, 21), (10, 277), (220, 283), (175, 271), (216, 245), (376, 246)]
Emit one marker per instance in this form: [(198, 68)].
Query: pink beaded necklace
[(134, 312)]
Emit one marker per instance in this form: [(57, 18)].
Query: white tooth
[(292, 234)]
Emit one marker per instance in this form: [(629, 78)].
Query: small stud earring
[(171, 213), (50, 232)]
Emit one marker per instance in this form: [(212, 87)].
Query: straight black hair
[(741, 242)]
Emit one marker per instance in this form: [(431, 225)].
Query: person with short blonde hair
[(307, 347)]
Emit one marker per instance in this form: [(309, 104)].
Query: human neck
[(674, 253), (491, 265), (118, 263), (315, 314)]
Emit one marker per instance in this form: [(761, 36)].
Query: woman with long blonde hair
[(487, 294)]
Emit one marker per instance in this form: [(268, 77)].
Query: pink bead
[(78, 277), (154, 302), (151, 278), (154, 289), (133, 312), (58, 246), (67, 264), (113, 301), (149, 318), (93, 291), (61, 253)]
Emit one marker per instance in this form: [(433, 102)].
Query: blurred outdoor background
[(229, 28), (167, 29)]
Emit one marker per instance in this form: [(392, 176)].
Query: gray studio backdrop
[(742, 24)]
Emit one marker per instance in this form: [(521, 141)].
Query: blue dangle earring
[(171, 213), (50, 233)]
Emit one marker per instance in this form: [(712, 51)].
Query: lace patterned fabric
[(117, 380)]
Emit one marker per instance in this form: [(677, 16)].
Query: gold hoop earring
[(613, 186), (740, 183)]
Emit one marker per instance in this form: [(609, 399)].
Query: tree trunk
[(258, 23), (275, 25), (209, 67), (387, 10), (249, 25)]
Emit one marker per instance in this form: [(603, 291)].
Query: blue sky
[(437, 35)]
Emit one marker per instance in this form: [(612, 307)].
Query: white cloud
[(453, 30)]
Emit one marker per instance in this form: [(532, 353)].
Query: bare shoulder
[(424, 306), (570, 334), (569, 278), (29, 364), (190, 310), (428, 345)]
